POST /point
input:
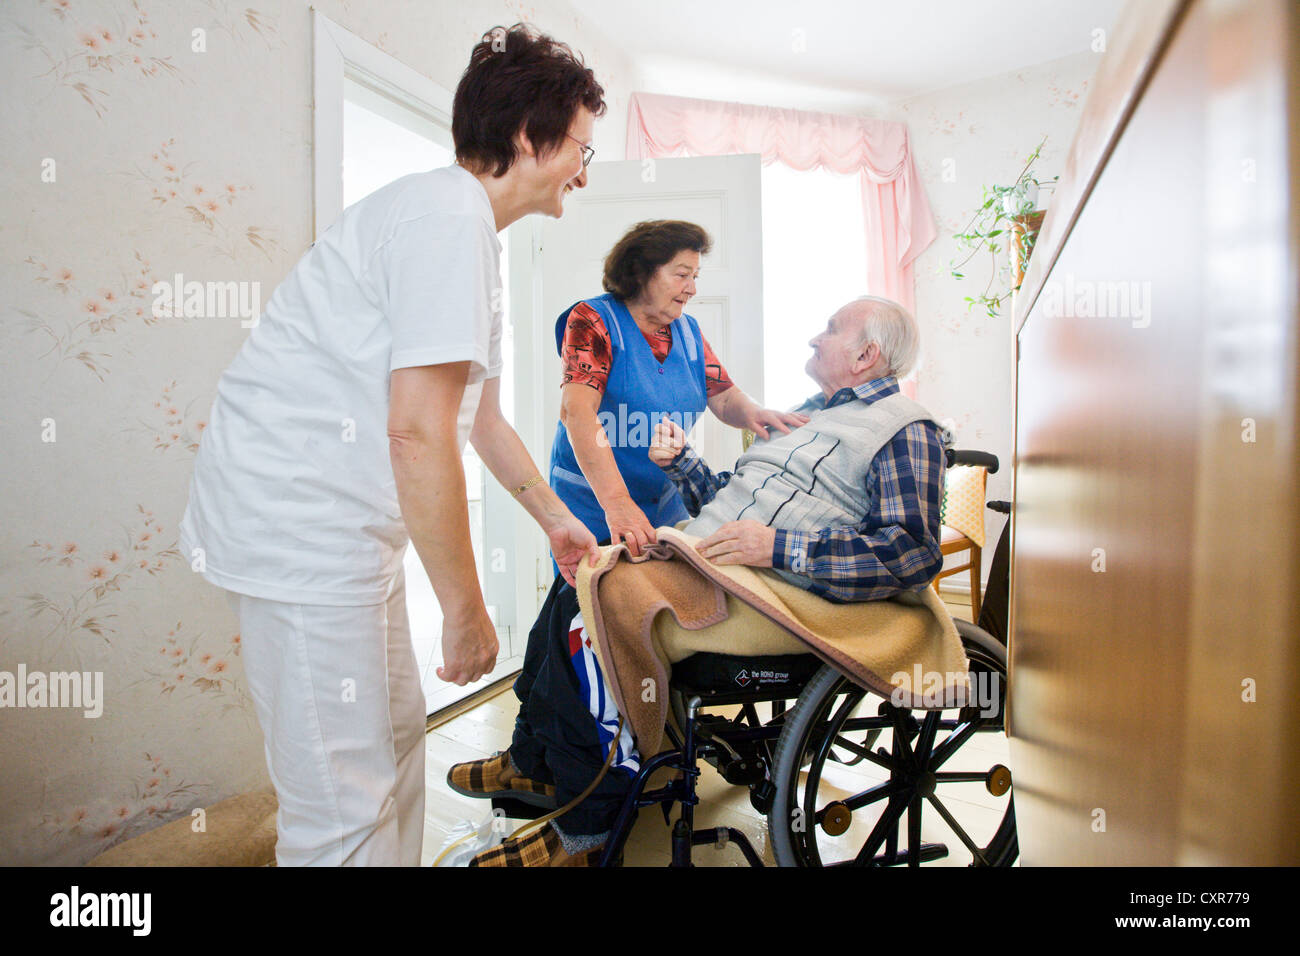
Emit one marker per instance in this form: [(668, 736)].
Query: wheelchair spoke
[(956, 828), (845, 744), (925, 742), (914, 832), (888, 821), (901, 734), (867, 797), (854, 761), (952, 743)]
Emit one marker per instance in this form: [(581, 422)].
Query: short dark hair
[(518, 78), (644, 248)]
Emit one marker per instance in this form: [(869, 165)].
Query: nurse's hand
[(628, 523), (469, 648), (761, 419), (570, 543)]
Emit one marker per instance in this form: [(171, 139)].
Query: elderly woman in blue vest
[(631, 357)]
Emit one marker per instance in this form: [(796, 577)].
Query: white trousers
[(339, 700)]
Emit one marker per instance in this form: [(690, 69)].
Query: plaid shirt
[(895, 547)]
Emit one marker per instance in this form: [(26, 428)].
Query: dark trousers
[(556, 739), (994, 609)]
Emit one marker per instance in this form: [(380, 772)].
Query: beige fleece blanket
[(645, 614)]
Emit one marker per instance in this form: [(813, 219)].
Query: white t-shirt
[(293, 497)]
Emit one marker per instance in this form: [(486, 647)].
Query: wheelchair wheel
[(937, 790)]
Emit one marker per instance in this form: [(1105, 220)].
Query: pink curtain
[(898, 219)]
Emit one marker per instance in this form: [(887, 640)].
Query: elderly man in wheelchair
[(845, 508)]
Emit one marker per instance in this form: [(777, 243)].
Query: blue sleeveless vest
[(640, 391)]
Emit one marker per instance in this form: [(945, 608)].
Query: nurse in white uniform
[(336, 437)]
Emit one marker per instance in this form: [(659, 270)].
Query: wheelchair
[(839, 771)]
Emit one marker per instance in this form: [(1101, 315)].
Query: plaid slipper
[(539, 848), (480, 778)]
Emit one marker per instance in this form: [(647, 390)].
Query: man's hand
[(667, 443), (744, 542), (761, 419), (469, 648), (570, 541)]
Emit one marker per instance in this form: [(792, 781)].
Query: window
[(814, 261)]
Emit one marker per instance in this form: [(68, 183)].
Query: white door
[(722, 194), (381, 137)]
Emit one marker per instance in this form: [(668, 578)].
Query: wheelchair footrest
[(719, 837)]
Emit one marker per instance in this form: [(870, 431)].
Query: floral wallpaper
[(145, 141), (965, 138)]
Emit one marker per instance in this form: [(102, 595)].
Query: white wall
[(986, 129), (91, 579)]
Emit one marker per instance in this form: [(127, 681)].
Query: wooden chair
[(964, 506)]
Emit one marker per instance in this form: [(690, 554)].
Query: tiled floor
[(486, 728)]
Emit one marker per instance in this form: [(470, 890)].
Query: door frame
[(339, 54), (533, 578)]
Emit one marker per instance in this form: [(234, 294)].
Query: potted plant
[(1006, 210)]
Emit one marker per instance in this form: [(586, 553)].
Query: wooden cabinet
[(1155, 619)]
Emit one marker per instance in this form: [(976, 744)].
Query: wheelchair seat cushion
[(744, 677)]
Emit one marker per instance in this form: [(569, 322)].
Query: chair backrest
[(963, 501)]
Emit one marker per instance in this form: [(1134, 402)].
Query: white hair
[(892, 328)]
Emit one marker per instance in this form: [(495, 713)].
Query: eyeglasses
[(587, 152)]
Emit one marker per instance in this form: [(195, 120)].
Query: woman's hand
[(570, 541), (628, 523), (469, 647), (735, 408), (759, 420), (667, 443)]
